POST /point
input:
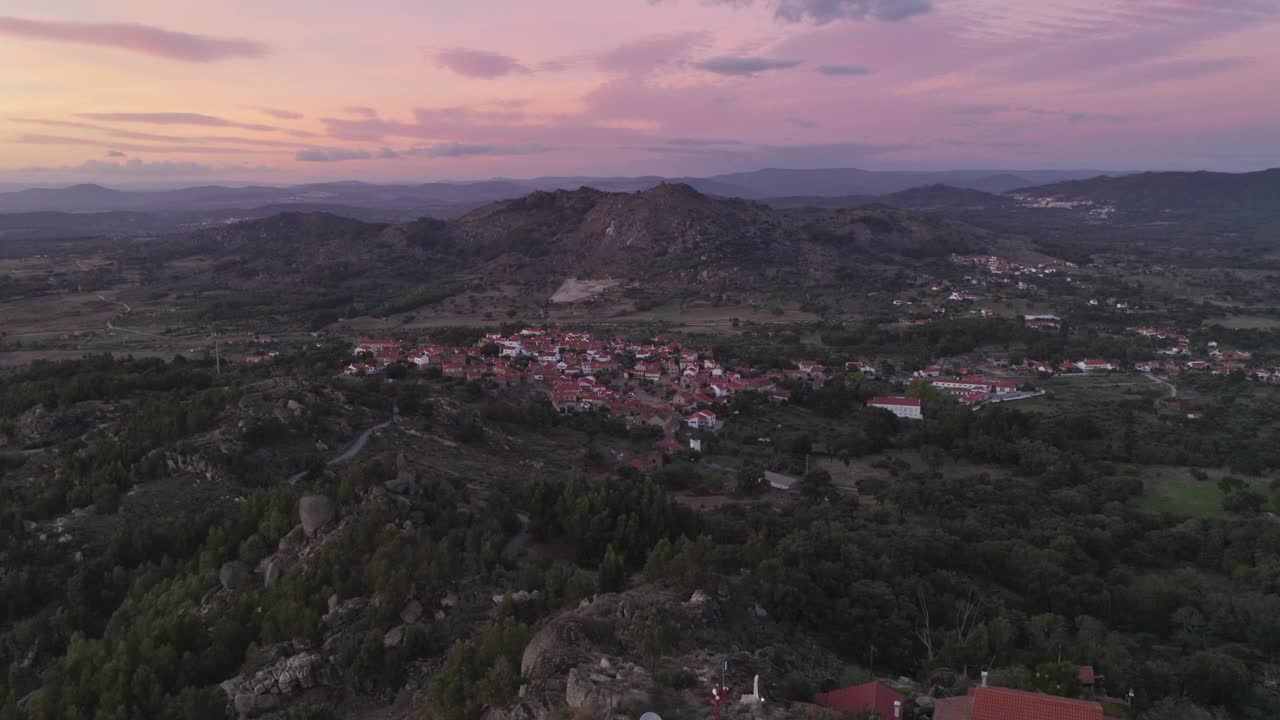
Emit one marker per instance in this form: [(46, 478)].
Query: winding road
[(111, 325), (356, 447), (1173, 389)]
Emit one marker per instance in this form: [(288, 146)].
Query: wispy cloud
[(651, 53), (1025, 111), (825, 11), (277, 113), (821, 12), (843, 70), (154, 137), (473, 63), (132, 37), (744, 66), (438, 150), (1185, 69), (185, 118), (456, 150), (172, 118), (139, 169), (331, 155), (37, 139), (702, 142)]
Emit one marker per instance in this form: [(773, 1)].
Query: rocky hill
[(674, 231), (930, 198), (669, 234), (1172, 191)]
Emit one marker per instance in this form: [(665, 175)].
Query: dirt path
[(111, 325), (1173, 389), (126, 307)]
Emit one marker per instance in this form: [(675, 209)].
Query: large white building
[(908, 408)]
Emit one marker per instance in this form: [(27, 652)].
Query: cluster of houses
[(986, 702), (968, 389), (1217, 360), (672, 386), (996, 271), (1003, 271), (1005, 268)]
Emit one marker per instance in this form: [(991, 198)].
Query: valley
[(585, 454)]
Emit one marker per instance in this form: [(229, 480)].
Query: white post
[(984, 678)]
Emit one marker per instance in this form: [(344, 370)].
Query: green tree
[(612, 575), (1215, 678)]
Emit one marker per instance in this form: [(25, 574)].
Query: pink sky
[(151, 91)]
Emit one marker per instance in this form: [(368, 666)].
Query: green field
[(1188, 497), (1174, 490)]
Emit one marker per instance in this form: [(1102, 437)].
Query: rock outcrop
[(316, 512), (274, 568), (293, 539), (288, 676), (607, 687), (234, 575)]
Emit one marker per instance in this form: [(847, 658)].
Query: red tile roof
[(990, 703), (905, 402), (871, 696)]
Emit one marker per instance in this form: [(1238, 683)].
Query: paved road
[(126, 307), (111, 325), (356, 448), (1173, 389)]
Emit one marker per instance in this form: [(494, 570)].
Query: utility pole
[(216, 329)]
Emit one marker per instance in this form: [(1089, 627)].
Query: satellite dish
[(651, 716)]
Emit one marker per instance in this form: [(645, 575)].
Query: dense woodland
[(1049, 564)]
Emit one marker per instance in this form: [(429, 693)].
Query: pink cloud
[(478, 63), (185, 118), (651, 53), (133, 37), (278, 113), (153, 137), (821, 12), (31, 139)]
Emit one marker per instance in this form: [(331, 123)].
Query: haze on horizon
[(143, 91)]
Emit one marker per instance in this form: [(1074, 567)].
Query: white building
[(703, 419), (908, 408)]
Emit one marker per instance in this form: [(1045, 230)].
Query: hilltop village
[(660, 383)]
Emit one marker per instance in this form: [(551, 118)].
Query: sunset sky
[(155, 92)]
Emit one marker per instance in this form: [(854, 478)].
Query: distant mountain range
[(972, 195), (1173, 191), (455, 198)]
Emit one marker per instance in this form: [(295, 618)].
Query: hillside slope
[(673, 231), (1172, 191)]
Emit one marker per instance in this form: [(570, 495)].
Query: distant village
[(675, 386), (662, 383)]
